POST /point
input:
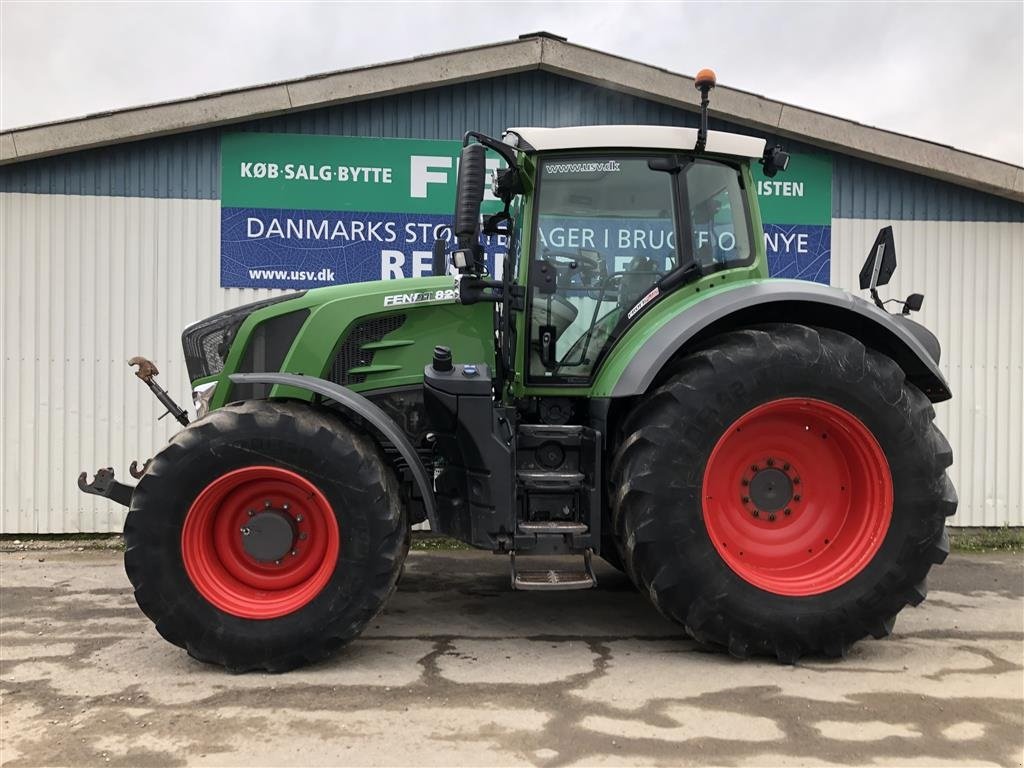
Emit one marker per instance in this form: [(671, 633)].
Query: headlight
[(201, 397), (208, 342)]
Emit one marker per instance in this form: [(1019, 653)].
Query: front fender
[(368, 411), (914, 348)]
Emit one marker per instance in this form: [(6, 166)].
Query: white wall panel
[(86, 282), (972, 276)]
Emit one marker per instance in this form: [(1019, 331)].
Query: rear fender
[(914, 348), (359, 405)]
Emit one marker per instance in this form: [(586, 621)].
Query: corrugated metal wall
[(972, 276), (111, 252), (88, 282)]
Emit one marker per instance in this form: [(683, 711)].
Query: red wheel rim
[(839, 490), (231, 578)]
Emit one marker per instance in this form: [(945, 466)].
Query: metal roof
[(531, 52), (638, 137)]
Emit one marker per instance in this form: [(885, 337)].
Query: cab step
[(550, 482), (554, 579), (553, 527)]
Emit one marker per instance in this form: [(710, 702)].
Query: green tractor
[(758, 455)]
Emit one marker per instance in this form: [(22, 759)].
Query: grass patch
[(424, 541), (1003, 539), (9, 537), (41, 542)]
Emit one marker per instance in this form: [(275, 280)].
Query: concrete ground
[(461, 671)]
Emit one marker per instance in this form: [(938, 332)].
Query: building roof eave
[(531, 52)]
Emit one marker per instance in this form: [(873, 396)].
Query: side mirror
[(469, 193), (880, 263)]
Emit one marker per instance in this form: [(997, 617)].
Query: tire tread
[(640, 501)]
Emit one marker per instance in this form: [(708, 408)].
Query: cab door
[(606, 230)]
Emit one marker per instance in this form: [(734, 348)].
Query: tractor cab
[(601, 223), (612, 231)]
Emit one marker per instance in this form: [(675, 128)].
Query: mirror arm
[(507, 153), (491, 222), (874, 296), (473, 290)]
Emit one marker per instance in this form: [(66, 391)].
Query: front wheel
[(783, 492), (265, 536)]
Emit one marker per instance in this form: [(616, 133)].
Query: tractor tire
[(783, 492), (265, 536)]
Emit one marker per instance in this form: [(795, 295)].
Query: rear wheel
[(783, 492), (265, 536)]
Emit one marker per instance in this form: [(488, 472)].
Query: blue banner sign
[(370, 209)]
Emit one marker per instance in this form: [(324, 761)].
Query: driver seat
[(637, 279)]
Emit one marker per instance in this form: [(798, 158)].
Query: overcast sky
[(949, 72)]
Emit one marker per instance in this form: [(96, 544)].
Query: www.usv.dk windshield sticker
[(596, 166)]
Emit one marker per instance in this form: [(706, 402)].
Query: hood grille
[(350, 352)]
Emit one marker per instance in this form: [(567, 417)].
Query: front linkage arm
[(104, 484), (147, 372)]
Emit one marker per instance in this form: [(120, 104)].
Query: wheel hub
[(260, 542), (770, 489), (798, 496), (269, 535)]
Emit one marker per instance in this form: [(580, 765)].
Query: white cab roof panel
[(637, 137)]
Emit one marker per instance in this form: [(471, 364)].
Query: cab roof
[(633, 137)]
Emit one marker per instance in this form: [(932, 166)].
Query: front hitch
[(105, 485)]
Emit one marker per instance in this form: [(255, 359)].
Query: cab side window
[(718, 214)]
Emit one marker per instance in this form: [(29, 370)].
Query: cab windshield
[(607, 230)]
